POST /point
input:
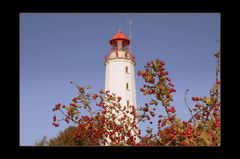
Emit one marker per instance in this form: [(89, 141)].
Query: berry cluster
[(111, 123)]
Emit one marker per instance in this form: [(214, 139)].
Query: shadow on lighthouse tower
[(120, 75)]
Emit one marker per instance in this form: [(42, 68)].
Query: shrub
[(110, 123)]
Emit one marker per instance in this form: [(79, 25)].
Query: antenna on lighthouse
[(130, 30)]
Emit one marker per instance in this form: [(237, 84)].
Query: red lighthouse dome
[(119, 36)]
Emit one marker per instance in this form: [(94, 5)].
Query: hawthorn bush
[(110, 123)]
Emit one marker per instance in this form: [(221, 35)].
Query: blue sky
[(56, 48)]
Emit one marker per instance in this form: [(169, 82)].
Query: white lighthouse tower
[(120, 76)]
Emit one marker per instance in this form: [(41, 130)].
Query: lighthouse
[(120, 75)]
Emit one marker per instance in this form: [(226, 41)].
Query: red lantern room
[(120, 48), (120, 41)]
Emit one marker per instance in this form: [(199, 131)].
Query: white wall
[(116, 79)]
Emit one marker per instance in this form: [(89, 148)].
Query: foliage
[(110, 123), (66, 137)]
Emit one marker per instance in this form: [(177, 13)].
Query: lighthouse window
[(127, 86), (128, 103), (127, 69), (124, 47), (115, 45), (119, 45)]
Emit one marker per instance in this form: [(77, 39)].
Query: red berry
[(148, 118), (145, 109), (170, 118), (95, 96), (152, 113), (67, 120), (185, 123), (85, 118), (57, 106), (139, 73), (197, 116), (171, 136), (163, 123), (73, 104), (119, 98), (162, 62), (57, 125), (144, 73), (99, 104), (54, 118), (167, 96), (189, 131), (217, 123), (197, 105), (104, 111), (214, 113), (74, 100), (169, 110), (151, 122), (173, 110)]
